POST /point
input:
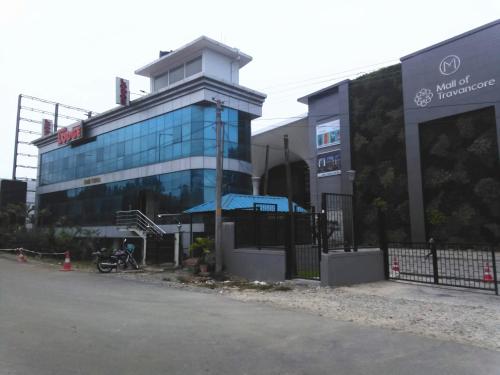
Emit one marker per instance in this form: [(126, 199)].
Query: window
[(100, 154), (176, 74), (193, 67), (120, 149), (188, 131)]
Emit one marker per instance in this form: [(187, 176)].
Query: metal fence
[(339, 226), (255, 228), (271, 230), (307, 249), (459, 265)]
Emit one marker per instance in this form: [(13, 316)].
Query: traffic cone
[(21, 257), (487, 276), (395, 265), (67, 262)]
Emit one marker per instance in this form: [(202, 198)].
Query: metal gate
[(459, 265), (306, 254), (331, 229), (339, 226)]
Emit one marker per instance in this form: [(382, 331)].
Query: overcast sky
[(71, 51)]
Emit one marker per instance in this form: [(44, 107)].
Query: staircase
[(136, 221)]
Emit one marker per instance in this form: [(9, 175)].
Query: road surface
[(57, 323)]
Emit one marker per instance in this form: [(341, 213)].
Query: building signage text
[(47, 126), (65, 135), (122, 91), (92, 180), (454, 87)]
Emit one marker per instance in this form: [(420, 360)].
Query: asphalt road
[(55, 322)]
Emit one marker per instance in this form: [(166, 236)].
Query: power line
[(330, 76)]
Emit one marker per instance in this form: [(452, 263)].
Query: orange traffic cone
[(21, 257), (487, 276), (395, 265), (67, 262)]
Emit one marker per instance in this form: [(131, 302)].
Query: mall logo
[(449, 65), (423, 97)]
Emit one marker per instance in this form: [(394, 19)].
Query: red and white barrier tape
[(30, 251)]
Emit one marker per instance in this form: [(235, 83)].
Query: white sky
[(70, 51)]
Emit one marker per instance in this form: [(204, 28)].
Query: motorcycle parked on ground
[(119, 258)]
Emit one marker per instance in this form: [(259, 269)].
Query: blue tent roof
[(242, 201)]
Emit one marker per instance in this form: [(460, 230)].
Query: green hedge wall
[(378, 154)]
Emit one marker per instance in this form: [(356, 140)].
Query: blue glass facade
[(189, 131), (172, 193)]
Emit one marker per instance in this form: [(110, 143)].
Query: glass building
[(156, 155)]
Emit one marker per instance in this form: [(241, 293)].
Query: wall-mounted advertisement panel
[(329, 163), (328, 134)]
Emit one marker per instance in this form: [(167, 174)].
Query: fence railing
[(452, 264), (135, 219), (259, 229)]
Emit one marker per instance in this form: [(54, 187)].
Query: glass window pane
[(193, 67), (176, 74)]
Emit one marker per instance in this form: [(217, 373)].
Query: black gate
[(459, 265), (452, 264), (330, 230), (306, 254), (339, 228)]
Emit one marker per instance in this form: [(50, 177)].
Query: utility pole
[(56, 117), (218, 186), (291, 253), (266, 171), (18, 120)]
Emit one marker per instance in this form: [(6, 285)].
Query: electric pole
[(18, 120), (218, 186)]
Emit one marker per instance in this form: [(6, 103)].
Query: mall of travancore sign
[(450, 88)]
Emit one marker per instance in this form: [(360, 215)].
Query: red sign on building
[(66, 135), (122, 91), (46, 127)]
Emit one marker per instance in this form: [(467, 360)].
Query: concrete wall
[(330, 104), (341, 268), (220, 66), (250, 263)]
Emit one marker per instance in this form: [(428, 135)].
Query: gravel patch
[(458, 316)]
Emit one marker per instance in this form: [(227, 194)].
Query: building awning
[(242, 201)]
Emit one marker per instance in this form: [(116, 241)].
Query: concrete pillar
[(255, 185), (177, 248), (144, 248)]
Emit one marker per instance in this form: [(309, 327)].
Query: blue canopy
[(242, 201)]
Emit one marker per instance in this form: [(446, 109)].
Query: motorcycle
[(119, 258)]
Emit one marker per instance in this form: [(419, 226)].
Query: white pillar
[(144, 247), (177, 249), (255, 185)]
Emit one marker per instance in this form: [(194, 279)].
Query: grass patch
[(308, 274)]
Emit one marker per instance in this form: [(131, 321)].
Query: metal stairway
[(136, 221)]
